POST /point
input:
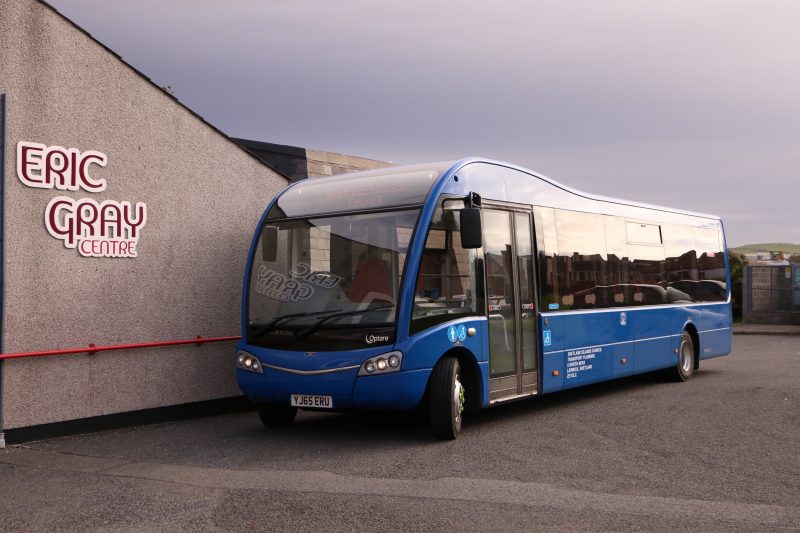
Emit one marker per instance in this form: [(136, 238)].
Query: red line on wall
[(92, 349)]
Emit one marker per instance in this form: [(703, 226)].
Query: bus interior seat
[(372, 276)]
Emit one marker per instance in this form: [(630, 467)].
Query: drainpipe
[(2, 252)]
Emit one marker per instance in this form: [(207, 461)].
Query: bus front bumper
[(395, 391)]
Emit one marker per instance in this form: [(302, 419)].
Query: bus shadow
[(354, 430), (363, 430), (649, 383)]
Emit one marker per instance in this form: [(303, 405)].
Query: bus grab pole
[(2, 252)]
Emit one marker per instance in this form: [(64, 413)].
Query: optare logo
[(372, 339)]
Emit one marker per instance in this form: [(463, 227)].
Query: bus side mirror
[(269, 244), (471, 230)]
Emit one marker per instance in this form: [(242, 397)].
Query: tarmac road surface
[(721, 452)]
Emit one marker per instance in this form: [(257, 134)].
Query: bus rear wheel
[(277, 416), (685, 367), (447, 399)]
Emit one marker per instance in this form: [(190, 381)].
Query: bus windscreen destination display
[(358, 191)]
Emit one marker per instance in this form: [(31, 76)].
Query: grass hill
[(784, 247)]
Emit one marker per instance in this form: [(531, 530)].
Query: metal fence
[(773, 289)]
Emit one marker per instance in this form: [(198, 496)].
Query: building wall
[(321, 164), (301, 163), (204, 195), (288, 160)]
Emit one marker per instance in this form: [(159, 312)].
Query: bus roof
[(408, 185), (370, 189), (600, 198)]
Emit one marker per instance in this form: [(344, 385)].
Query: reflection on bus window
[(588, 261), (447, 283), (347, 264)]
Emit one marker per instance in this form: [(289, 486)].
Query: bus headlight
[(381, 364), (248, 362)]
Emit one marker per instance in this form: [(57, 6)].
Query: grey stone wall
[(300, 163), (204, 195), (321, 164)]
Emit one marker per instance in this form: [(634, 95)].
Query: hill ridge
[(785, 247)]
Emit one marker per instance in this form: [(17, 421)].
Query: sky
[(693, 104)]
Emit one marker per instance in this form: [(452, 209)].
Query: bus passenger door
[(527, 312), (508, 259)]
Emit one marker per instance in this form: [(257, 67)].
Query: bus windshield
[(328, 283)]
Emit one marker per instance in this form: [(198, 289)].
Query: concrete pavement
[(766, 329)]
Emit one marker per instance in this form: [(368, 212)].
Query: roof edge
[(589, 196)]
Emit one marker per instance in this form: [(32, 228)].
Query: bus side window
[(582, 259), (446, 284), (619, 266), (547, 244), (695, 264)]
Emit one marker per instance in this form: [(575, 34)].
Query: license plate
[(310, 400)]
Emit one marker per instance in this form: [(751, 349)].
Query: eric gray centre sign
[(97, 229)]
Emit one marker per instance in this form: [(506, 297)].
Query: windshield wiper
[(314, 327), (269, 326)]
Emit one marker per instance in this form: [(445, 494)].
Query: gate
[(773, 294)]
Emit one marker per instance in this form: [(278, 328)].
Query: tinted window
[(695, 264), (619, 266), (679, 249), (595, 261), (447, 281), (641, 233), (522, 229), (709, 251), (547, 243), (582, 259), (500, 292), (646, 275)]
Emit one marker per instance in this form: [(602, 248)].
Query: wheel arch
[(471, 374)]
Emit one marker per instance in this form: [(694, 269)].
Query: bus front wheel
[(277, 416), (685, 367), (447, 398)]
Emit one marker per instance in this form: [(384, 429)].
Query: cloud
[(684, 103)]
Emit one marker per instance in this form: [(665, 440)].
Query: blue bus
[(462, 285)]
